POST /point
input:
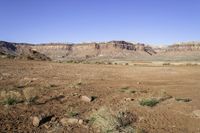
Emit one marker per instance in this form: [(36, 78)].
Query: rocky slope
[(21, 51)]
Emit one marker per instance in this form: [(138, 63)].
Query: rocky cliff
[(121, 50), (21, 51), (113, 49)]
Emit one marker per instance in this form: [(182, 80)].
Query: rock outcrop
[(113, 49), (21, 51)]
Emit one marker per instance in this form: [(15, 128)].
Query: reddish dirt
[(62, 84)]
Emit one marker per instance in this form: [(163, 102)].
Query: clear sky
[(149, 21)]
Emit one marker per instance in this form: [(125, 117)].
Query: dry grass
[(11, 97), (104, 120), (31, 94), (107, 120)]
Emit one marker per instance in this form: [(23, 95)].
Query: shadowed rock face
[(20, 50)]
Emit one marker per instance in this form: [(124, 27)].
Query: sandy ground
[(60, 86)]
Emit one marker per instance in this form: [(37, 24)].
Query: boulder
[(38, 120), (86, 98), (70, 121)]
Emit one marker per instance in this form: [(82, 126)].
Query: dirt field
[(55, 90)]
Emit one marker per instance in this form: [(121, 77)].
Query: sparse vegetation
[(166, 64), (127, 90), (79, 83), (108, 121), (183, 99), (91, 120), (10, 97), (149, 102), (31, 94), (10, 101), (132, 91), (73, 114), (53, 85)]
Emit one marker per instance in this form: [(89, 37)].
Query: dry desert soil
[(42, 96)]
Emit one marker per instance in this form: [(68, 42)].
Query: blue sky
[(149, 21)]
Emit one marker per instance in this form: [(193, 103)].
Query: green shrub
[(73, 114), (10, 101), (149, 102)]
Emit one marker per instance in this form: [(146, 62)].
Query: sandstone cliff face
[(113, 49), (187, 51)]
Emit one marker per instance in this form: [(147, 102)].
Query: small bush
[(109, 63), (104, 120), (183, 99), (108, 121), (79, 83), (10, 101), (11, 97), (133, 91), (149, 102), (31, 94), (125, 88), (73, 114), (125, 118), (166, 64), (92, 120)]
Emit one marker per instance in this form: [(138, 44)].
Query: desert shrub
[(166, 64), (11, 97), (164, 96), (126, 118), (183, 99), (70, 61), (124, 88), (73, 114), (79, 83), (53, 85), (10, 101), (127, 90), (31, 94), (149, 102), (132, 91), (106, 120)]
